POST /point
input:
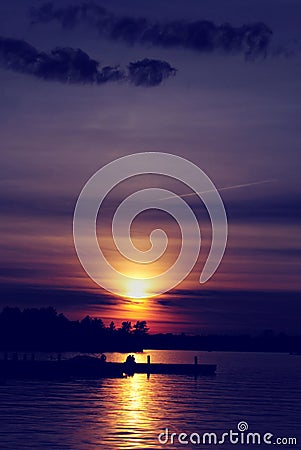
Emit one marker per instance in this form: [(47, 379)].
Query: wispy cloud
[(224, 188), (69, 65), (251, 40)]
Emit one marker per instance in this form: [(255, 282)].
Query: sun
[(137, 288)]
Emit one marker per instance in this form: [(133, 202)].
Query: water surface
[(263, 390)]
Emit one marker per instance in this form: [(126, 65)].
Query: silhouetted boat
[(80, 366), (92, 367)]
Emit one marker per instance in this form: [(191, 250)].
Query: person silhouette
[(130, 365), (130, 360)]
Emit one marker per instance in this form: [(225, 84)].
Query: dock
[(176, 369), (92, 367)]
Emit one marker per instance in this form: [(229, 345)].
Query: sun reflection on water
[(135, 422)]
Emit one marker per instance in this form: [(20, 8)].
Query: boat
[(77, 367)]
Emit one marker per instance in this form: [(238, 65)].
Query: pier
[(92, 367)]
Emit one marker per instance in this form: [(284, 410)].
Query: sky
[(215, 82)]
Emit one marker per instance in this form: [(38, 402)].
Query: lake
[(263, 390)]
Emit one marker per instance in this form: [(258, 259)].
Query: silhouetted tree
[(140, 328), (43, 329), (112, 327), (126, 327)]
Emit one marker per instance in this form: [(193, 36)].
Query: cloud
[(69, 65), (28, 295), (251, 40), (66, 65), (224, 311), (149, 72)]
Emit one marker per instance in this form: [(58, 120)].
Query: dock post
[(148, 366), (196, 360)]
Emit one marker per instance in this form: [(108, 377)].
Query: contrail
[(225, 188)]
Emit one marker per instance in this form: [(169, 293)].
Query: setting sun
[(137, 288)]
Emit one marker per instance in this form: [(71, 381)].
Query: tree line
[(44, 329)]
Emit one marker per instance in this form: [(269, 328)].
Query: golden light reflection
[(135, 422), (134, 392), (121, 413)]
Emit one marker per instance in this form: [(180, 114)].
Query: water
[(263, 390)]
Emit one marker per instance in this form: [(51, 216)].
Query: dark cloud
[(204, 36), (110, 74), (28, 295), (237, 310), (66, 65), (69, 65), (280, 210), (149, 72), (229, 311)]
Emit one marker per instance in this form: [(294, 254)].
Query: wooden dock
[(92, 367), (176, 369)]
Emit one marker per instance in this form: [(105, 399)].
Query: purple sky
[(236, 117)]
